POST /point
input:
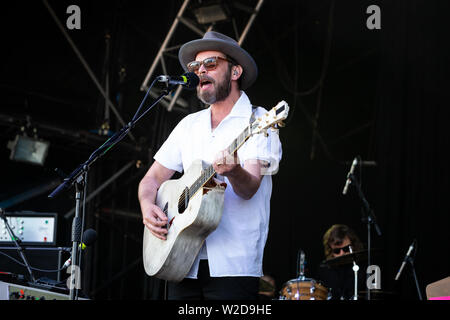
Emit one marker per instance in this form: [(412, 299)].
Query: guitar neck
[(209, 171)]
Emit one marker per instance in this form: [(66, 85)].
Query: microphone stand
[(79, 177), (411, 262), (410, 259), (17, 245), (369, 219)]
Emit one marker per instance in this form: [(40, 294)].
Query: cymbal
[(357, 256)]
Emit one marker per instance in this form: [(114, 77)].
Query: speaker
[(44, 258)]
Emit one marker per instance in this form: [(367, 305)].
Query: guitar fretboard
[(209, 171)]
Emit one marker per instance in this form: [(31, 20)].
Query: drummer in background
[(340, 278)]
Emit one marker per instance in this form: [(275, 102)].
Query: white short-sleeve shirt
[(236, 247)]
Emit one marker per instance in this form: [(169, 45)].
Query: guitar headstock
[(272, 118)]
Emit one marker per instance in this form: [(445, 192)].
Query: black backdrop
[(379, 94), (412, 137)]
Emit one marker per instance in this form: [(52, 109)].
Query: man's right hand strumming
[(155, 220), (152, 215)]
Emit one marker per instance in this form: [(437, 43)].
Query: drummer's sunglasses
[(209, 63), (338, 250)]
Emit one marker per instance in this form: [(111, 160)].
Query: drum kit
[(304, 288)]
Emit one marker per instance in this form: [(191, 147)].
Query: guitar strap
[(253, 118)]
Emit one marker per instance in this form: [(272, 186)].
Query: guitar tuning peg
[(281, 124)]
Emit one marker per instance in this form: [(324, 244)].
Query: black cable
[(36, 269), (281, 67), (326, 54)]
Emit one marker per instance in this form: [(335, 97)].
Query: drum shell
[(304, 289)]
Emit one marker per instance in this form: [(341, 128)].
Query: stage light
[(30, 150), (210, 13)]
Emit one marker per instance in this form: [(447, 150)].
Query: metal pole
[(103, 186), (174, 98), (76, 239), (355, 270), (250, 22), (416, 281), (369, 247)]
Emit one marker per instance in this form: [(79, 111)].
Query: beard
[(219, 92)]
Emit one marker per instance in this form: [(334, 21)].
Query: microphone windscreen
[(192, 80), (89, 237)]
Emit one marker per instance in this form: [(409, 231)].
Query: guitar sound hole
[(181, 207), (183, 201)]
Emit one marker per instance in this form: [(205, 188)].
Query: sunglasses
[(346, 249), (209, 63)]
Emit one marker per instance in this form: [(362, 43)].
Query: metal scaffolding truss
[(200, 27)]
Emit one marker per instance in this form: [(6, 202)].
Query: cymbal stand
[(369, 219), (355, 270)]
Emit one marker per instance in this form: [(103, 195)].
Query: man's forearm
[(147, 191), (244, 183), (149, 185)]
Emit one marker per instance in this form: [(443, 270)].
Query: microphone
[(189, 80), (352, 169), (410, 249), (89, 237)]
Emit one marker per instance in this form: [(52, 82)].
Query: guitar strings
[(210, 173), (244, 135), (210, 169)]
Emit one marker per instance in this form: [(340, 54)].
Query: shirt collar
[(242, 108)]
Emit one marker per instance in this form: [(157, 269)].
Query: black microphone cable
[(33, 268)]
